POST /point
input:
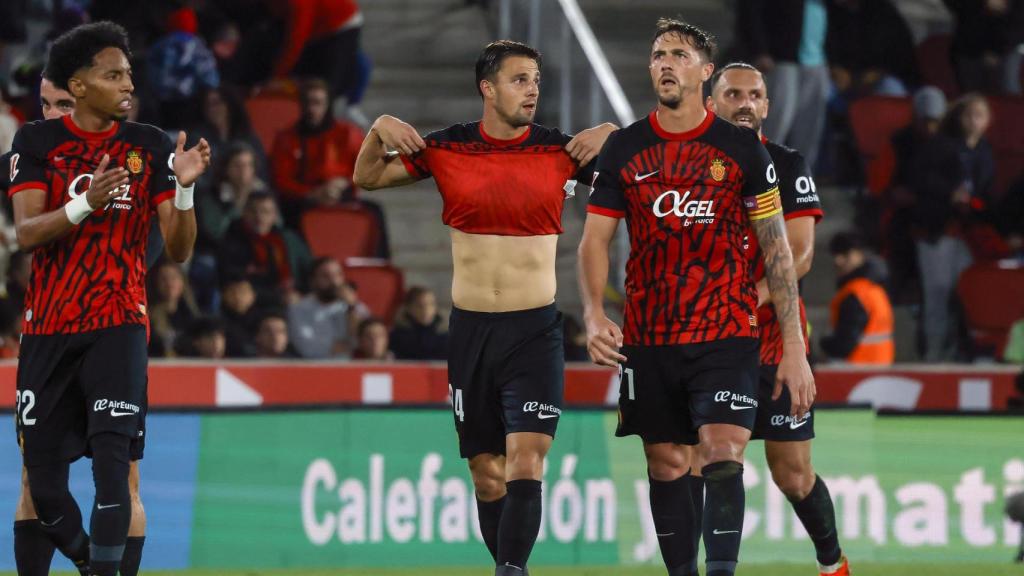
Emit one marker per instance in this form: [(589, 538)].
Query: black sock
[(132, 555), (33, 549), (520, 522), (490, 519), (59, 516), (818, 516), (697, 495), (723, 516), (672, 509), (113, 510)]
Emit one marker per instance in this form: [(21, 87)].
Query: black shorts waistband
[(550, 309)]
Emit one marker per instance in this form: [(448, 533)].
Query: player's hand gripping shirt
[(799, 198), (688, 199), (505, 187), (94, 276)]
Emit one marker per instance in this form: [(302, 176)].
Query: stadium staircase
[(423, 53)]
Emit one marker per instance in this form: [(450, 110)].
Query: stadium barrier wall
[(365, 487), (205, 384)]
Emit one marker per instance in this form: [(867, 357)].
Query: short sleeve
[(162, 164), (607, 196), (760, 182), (798, 191), (26, 166), (417, 165), (585, 173)]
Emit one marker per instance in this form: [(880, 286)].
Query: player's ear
[(707, 71), (486, 88), (767, 105), (76, 87), (709, 103)]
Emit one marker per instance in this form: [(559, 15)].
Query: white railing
[(551, 26)]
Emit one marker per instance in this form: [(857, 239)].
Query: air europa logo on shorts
[(544, 411), (733, 399), (794, 423), (117, 407)]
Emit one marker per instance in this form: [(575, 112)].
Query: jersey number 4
[(24, 402), (456, 395)]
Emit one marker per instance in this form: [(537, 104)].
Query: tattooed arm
[(793, 372)]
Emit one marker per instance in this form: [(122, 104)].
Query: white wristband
[(183, 196), (78, 209)]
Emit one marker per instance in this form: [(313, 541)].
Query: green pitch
[(749, 570)]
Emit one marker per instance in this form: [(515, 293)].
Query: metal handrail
[(574, 24)]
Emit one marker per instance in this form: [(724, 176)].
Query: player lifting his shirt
[(504, 183), (690, 186)]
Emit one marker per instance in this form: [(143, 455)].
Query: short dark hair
[(733, 66), (272, 313), (205, 326), (366, 323), (701, 40), (319, 262), (491, 57), (259, 196), (78, 47), (312, 84), (232, 277), (845, 242), (414, 293)]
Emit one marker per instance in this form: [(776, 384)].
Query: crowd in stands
[(253, 288), (928, 132), (275, 85)]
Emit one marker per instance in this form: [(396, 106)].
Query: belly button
[(497, 292)]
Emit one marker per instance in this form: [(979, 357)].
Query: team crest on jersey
[(717, 169), (134, 162)]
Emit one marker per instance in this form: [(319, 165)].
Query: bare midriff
[(502, 273)]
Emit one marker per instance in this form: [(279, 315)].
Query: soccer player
[(33, 550), (691, 186), (504, 184), (739, 95), (85, 188)]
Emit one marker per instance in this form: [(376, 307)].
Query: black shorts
[(773, 419), (72, 386), (666, 393), (506, 372)]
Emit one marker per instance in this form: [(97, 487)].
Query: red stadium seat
[(380, 286), (340, 232), (1005, 133), (991, 297), (935, 65), (1007, 140), (874, 119), (270, 114)]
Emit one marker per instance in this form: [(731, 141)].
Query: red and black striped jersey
[(688, 199), (512, 187), (799, 198), (94, 276)]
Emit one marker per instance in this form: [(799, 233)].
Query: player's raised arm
[(375, 167), (178, 219), (35, 226)]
